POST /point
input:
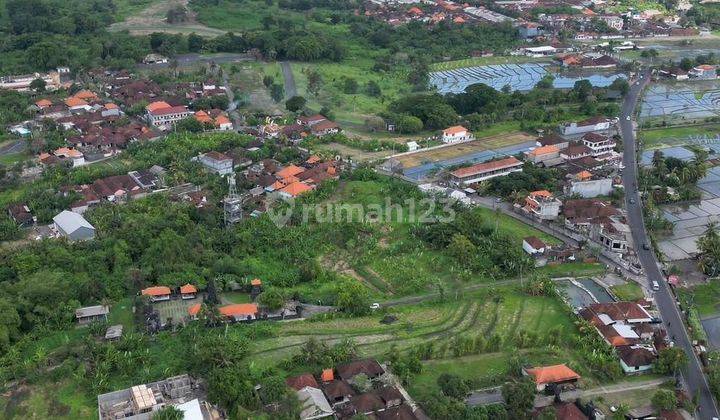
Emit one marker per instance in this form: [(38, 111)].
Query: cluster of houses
[(316, 125), (590, 20), (362, 388), (431, 12), (700, 72), (142, 402), (587, 21), (631, 330)]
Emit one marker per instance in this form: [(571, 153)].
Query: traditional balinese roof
[(301, 381), (188, 289), (552, 374), (239, 309), (456, 129), (156, 291)]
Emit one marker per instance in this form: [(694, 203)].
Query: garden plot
[(681, 102), (522, 77)]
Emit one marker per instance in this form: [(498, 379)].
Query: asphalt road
[(290, 88), (12, 148), (693, 375)]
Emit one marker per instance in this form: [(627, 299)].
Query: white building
[(542, 205), (73, 226), (590, 188), (217, 162), (163, 115), (587, 126), (598, 143), (455, 134), (533, 245)]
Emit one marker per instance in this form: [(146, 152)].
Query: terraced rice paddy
[(417, 325), (522, 77)]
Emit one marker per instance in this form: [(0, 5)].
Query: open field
[(246, 79), (674, 136), (454, 151), (628, 291), (144, 21), (476, 315), (705, 297)]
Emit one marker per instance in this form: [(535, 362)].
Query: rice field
[(477, 315)]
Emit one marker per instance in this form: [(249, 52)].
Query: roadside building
[(586, 126), (636, 359), (704, 71), (542, 205), (533, 245), (598, 143), (73, 226)]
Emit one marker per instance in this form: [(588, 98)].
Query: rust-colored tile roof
[(301, 381), (255, 282), (188, 288), (154, 106), (552, 374), (456, 129), (239, 309), (43, 103), (156, 291), (327, 375), (290, 170), (194, 309), (73, 102), (482, 168), (296, 188), (544, 150)]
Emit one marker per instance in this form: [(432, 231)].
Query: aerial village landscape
[(381, 209)]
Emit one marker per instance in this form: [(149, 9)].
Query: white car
[(375, 306), (627, 118)]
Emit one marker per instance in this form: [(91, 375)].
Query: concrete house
[(482, 171), (542, 205), (217, 162), (586, 126), (157, 293), (455, 134), (598, 143), (533, 245), (73, 226)]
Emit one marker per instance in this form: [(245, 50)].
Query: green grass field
[(673, 136), (628, 291), (705, 297), (125, 8)]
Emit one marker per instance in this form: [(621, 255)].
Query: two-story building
[(487, 170), (455, 134), (598, 143), (217, 162), (162, 115), (542, 205)]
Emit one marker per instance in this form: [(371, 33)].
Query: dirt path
[(152, 19)]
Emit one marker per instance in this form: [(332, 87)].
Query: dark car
[(646, 247)]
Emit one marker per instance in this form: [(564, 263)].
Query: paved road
[(494, 395), (290, 88), (693, 374)]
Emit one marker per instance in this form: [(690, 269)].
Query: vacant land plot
[(246, 79), (153, 19), (439, 323), (473, 147)]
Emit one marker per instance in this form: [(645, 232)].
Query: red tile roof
[(239, 309), (156, 291), (301, 381), (552, 374), (188, 288), (485, 167)]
